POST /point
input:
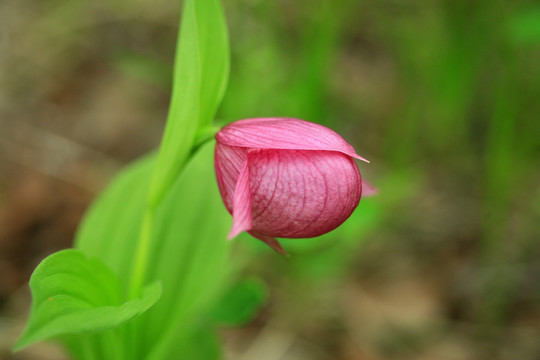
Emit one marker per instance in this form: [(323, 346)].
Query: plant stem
[(142, 251), (140, 262)]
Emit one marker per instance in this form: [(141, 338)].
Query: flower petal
[(228, 164), (284, 133), (270, 241), (368, 189), (299, 194), (241, 210)]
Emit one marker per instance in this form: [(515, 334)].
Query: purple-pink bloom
[(289, 178)]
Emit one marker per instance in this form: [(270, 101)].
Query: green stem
[(142, 253), (204, 135)]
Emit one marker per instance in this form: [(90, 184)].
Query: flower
[(288, 178)]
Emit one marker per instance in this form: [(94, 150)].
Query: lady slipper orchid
[(289, 178)]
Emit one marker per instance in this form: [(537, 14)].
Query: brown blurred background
[(442, 97)]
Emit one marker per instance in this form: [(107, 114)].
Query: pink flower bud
[(289, 178)]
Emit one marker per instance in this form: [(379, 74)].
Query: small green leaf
[(241, 303), (73, 294), (201, 71)]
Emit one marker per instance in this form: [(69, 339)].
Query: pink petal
[(284, 133), (368, 189), (241, 210), (270, 241), (228, 163), (299, 194)]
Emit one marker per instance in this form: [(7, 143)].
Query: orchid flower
[(288, 178)]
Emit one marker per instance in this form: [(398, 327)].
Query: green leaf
[(74, 294), (200, 77), (241, 303), (192, 258), (189, 253), (111, 225)]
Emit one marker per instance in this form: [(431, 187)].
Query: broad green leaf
[(189, 254), (74, 294), (193, 257), (240, 303), (200, 76), (111, 226)]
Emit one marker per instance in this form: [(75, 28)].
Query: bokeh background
[(442, 96)]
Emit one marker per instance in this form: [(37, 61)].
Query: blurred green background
[(442, 96)]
